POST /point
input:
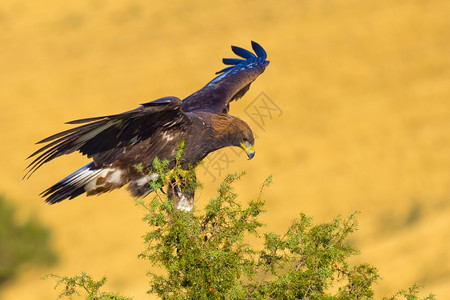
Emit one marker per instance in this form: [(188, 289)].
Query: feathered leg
[(182, 196)]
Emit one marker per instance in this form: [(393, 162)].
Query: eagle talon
[(176, 177), (184, 173)]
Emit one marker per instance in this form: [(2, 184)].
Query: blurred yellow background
[(364, 93)]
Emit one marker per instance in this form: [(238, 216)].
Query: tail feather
[(86, 179)]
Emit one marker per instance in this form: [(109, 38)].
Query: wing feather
[(260, 52), (232, 61), (105, 138), (231, 83), (242, 52)]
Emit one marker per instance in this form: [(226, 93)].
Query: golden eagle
[(117, 143)]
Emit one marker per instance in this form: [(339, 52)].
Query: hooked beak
[(249, 149)]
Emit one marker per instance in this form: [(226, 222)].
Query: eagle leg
[(182, 196)]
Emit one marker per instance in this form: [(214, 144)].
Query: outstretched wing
[(232, 83), (105, 138)]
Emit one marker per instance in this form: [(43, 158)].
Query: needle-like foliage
[(205, 254)]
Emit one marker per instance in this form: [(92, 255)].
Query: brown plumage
[(116, 143)]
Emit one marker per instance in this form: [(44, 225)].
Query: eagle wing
[(232, 83), (105, 138)]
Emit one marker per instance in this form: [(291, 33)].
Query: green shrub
[(73, 285), (21, 244), (204, 254)]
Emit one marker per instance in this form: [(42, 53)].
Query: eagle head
[(242, 136)]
